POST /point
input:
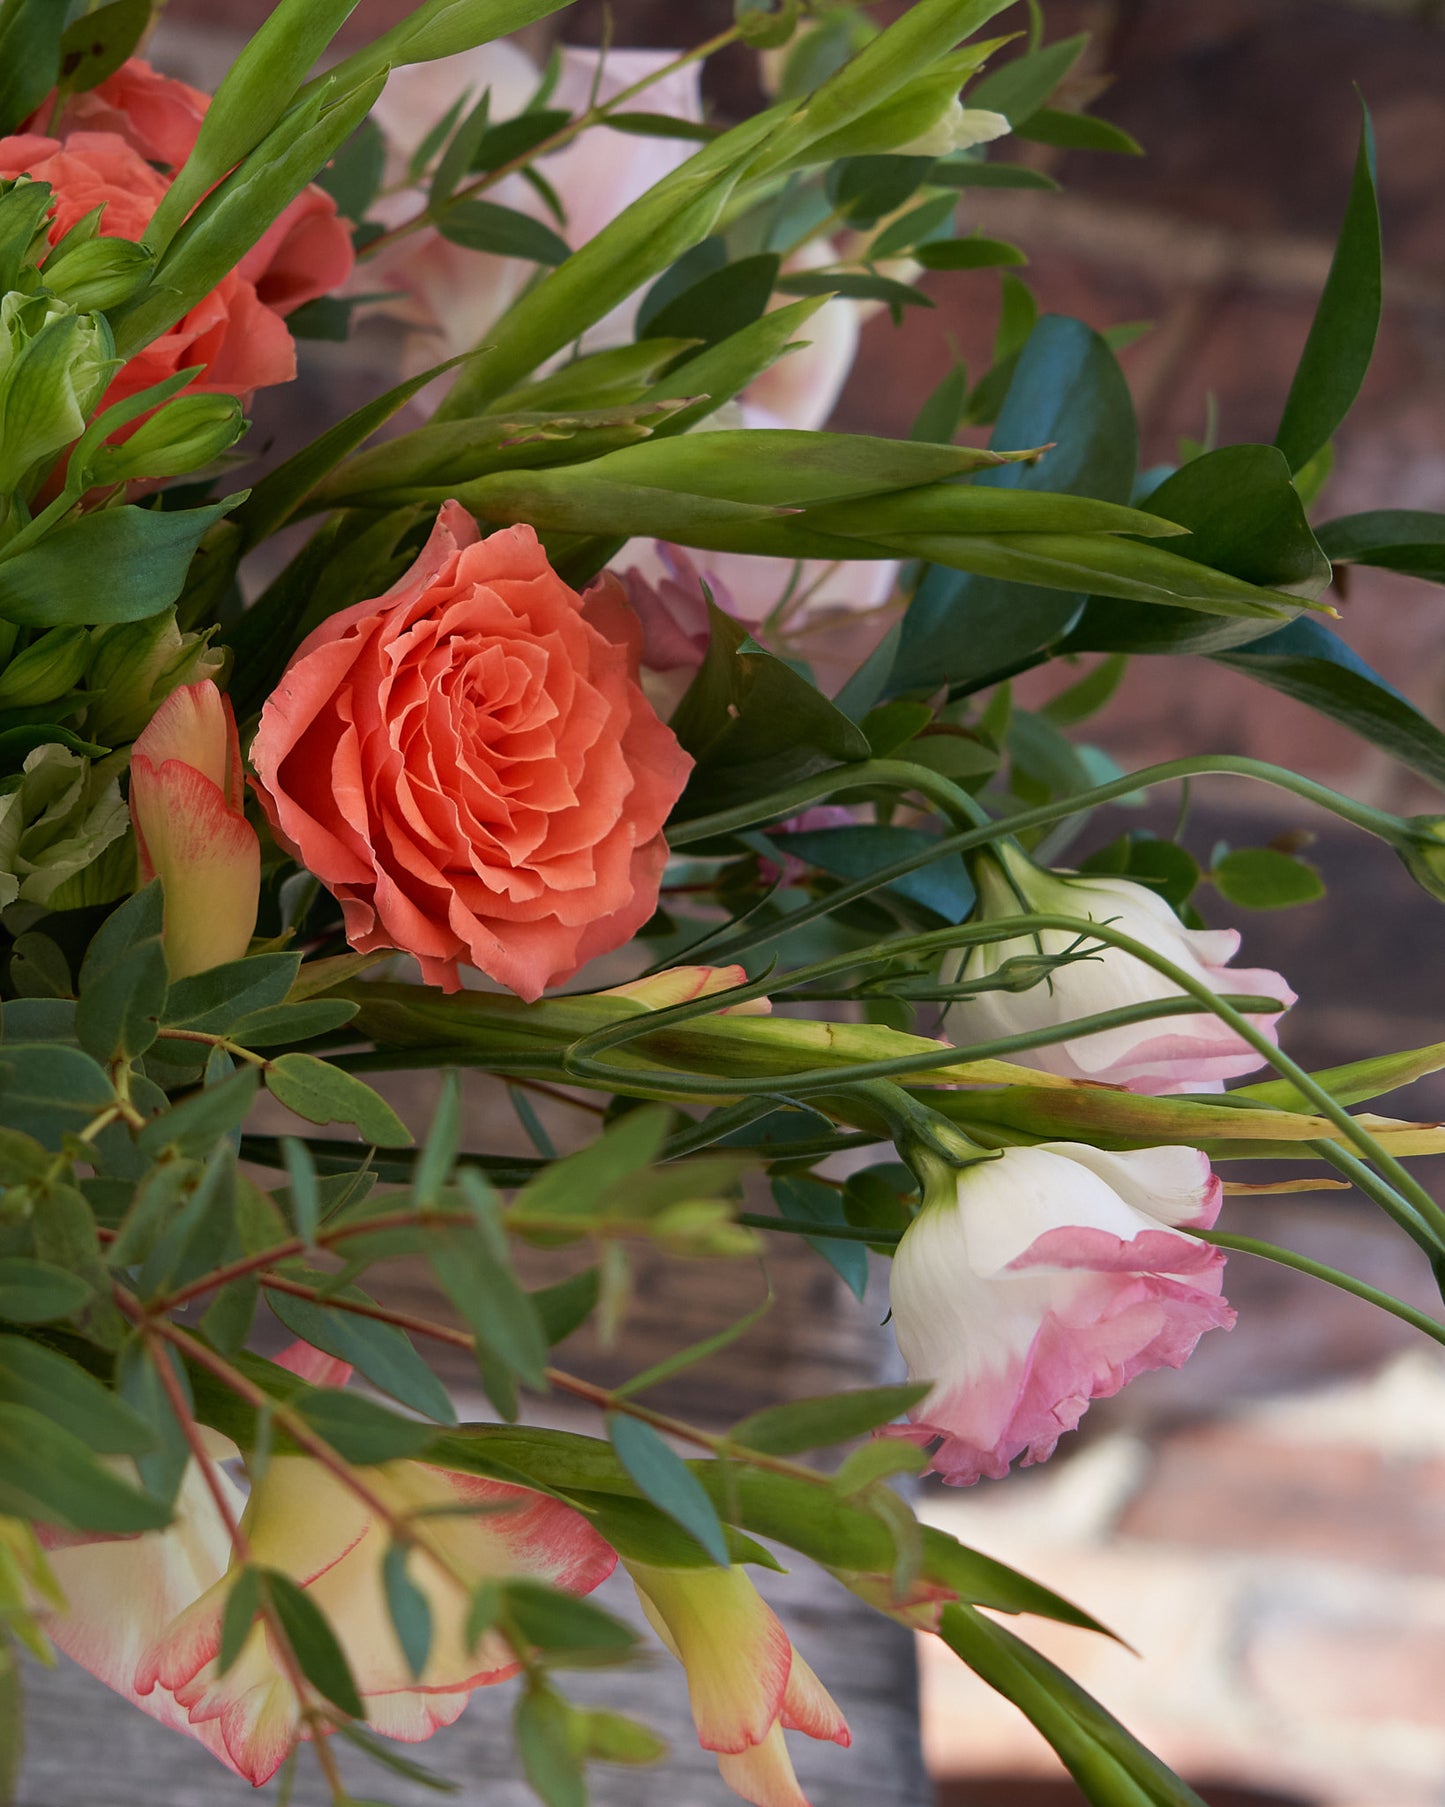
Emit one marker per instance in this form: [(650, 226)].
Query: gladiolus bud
[(745, 1680), (54, 366), (1031, 1283), (187, 797), (99, 273), (184, 435), (1170, 1054)]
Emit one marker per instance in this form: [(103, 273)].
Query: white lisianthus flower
[(1046, 1277), (1169, 1054)]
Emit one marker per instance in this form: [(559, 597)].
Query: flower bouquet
[(580, 713)]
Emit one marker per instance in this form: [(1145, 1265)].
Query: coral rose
[(104, 154), (469, 765)]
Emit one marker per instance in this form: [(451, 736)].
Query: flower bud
[(1085, 978), (46, 670), (683, 984), (187, 800), (134, 667), (1032, 1283), (54, 366), (55, 824), (1422, 848), (98, 274), (184, 435), (958, 128)]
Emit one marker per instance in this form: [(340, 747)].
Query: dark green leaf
[(434, 1165), (285, 1023), (1342, 335), (1411, 540), (803, 1424), (1018, 88), (30, 38), (566, 1306), (659, 125), (321, 1658), (324, 1094), (486, 226), (96, 45), (1169, 869), (704, 259), (382, 1353), (855, 287), (932, 219), (200, 1119), (34, 1376), (145, 553), (409, 1609), (231, 1313), (668, 1482), (48, 1473), (359, 1429), (1077, 132), (162, 1468), (967, 254), (944, 887), (864, 189), (123, 980), (243, 1602), (556, 1621), (353, 176), (200, 1233), (543, 1730), (970, 172), (722, 303), (809, 1201), (48, 1090), (212, 1001), (476, 1275), (305, 1196), (38, 1292), (1067, 388), (1262, 878)]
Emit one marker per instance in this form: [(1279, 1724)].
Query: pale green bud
[(24, 204), (46, 670), (135, 666), (98, 273), (56, 820), (184, 435), (1422, 848), (958, 128), (54, 367)]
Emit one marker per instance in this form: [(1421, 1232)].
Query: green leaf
[(123, 980), (95, 45), (543, 1731), (325, 1094), (485, 226), (161, 1468), (195, 1124), (510, 139), (1352, 1083), (807, 1200), (931, 219), (285, 1023), (803, 1424), (613, 1738), (200, 1233), (321, 1658), (359, 1429), (30, 39), (305, 1195), (721, 304), (1067, 388), (1018, 88), (353, 176), (659, 125), (972, 253), (943, 888), (1342, 334), (145, 553), (409, 1610), (577, 1184), (855, 286), (38, 1292), (668, 1482), (1262, 878), (214, 1000), (48, 1474), (556, 1621), (751, 722), (381, 1353), (475, 1272), (970, 172), (1077, 132), (243, 1602), (434, 1166), (32, 1375), (864, 189), (566, 1307), (1411, 540), (48, 1091)]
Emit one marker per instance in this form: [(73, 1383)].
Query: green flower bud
[(98, 273), (182, 436), (45, 671), (56, 820), (54, 367), (1422, 848), (24, 205), (135, 666)]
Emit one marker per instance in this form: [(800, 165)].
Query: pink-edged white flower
[(1036, 1281), (187, 800), (302, 1521), (1170, 1054), (745, 1681)]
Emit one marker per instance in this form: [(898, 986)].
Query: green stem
[(1317, 1270)]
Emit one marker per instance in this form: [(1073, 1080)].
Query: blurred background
[(1266, 1528)]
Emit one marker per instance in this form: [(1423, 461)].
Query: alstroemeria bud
[(1049, 1276), (959, 129), (47, 670), (184, 435), (134, 667), (681, 984), (1170, 1054), (54, 366), (187, 800), (96, 274), (64, 814), (745, 1681)]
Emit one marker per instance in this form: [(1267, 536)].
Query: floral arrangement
[(585, 658)]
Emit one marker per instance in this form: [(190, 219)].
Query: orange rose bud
[(469, 765), (187, 796)]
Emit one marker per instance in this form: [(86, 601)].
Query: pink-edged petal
[(764, 1774), (809, 1707), (313, 1364), (207, 858)]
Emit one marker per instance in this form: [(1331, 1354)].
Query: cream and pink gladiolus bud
[(1170, 1054), (682, 984), (187, 800), (1036, 1281), (745, 1681)]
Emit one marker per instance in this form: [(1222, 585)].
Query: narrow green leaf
[(359, 1429), (803, 1424), (476, 1275), (48, 1474), (48, 1382), (434, 1166), (30, 38), (543, 1729), (556, 1621), (38, 1292), (1411, 540), (1018, 88), (1077, 132), (380, 1353), (97, 44), (1342, 335), (305, 1199), (321, 1658), (325, 1094), (972, 253), (486, 226), (668, 1482), (409, 1609), (243, 1602), (806, 1200)]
